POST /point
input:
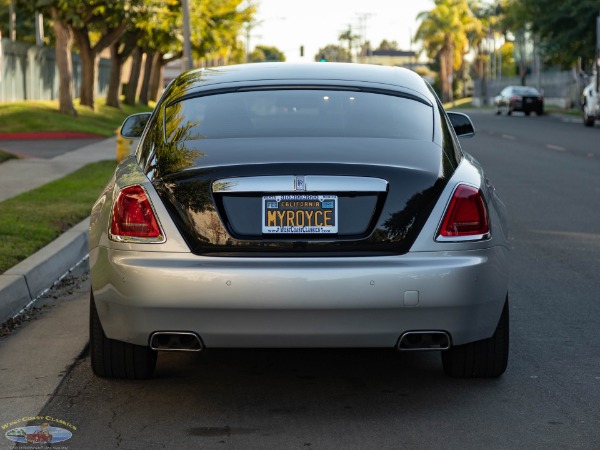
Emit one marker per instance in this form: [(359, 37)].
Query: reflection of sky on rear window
[(301, 113), (526, 91)]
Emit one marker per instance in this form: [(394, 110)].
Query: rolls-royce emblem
[(299, 183)]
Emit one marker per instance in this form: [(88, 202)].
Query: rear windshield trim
[(296, 87)]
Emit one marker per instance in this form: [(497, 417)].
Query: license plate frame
[(312, 214)]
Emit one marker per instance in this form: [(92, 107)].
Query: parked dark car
[(299, 205), (519, 98)]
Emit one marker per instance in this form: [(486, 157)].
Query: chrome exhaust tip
[(424, 340), (176, 341)]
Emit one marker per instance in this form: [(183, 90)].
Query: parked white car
[(590, 106)]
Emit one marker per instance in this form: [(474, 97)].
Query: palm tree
[(350, 37), (443, 32)]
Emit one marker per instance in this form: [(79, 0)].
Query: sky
[(288, 24)]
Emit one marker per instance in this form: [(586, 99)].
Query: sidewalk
[(35, 358), (22, 175), (28, 279)]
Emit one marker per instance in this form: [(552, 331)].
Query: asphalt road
[(548, 173)]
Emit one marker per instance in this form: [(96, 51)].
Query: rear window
[(526, 91), (298, 113)]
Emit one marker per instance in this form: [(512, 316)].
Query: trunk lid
[(381, 192)]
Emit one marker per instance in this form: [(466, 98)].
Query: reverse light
[(466, 217), (133, 218)]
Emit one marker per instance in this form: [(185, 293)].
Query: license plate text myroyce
[(300, 218)]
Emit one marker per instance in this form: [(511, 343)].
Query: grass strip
[(466, 102), (33, 115), (35, 218)]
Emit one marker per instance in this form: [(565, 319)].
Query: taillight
[(516, 98), (466, 215), (133, 216)]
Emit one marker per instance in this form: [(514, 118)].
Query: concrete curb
[(27, 280)]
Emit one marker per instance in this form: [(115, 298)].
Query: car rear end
[(288, 214), (528, 100)]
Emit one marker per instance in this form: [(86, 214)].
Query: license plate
[(528, 100), (299, 214)]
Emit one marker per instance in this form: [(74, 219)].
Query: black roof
[(278, 73)]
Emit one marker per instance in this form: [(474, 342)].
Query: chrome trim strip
[(470, 238), (160, 239), (313, 183)]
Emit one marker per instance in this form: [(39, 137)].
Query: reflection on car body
[(299, 205)]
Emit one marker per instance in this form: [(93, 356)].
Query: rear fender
[(470, 172), (129, 173)]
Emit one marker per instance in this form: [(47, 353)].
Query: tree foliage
[(388, 45), (151, 27), (222, 22), (350, 37), (566, 30), (263, 53), (25, 20), (444, 33), (333, 53)]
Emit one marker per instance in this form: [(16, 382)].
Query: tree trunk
[(144, 94), (134, 77), (88, 68), (451, 73), (90, 55), (114, 83), (444, 74), (64, 41), (484, 81), (155, 76)]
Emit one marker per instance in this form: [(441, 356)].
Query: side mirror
[(134, 125), (463, 127)]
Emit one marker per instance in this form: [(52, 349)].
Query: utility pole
[(362, 30), (187, 43), (12, 19), (39, 29), (248, 28)]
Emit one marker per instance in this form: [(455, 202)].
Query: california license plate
[(300, 214)]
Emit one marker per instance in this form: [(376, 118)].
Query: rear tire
[(588, 120), (486, 358), (527, 113), (116, 359)]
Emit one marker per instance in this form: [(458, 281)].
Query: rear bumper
[(301, 302), (528, 106)]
